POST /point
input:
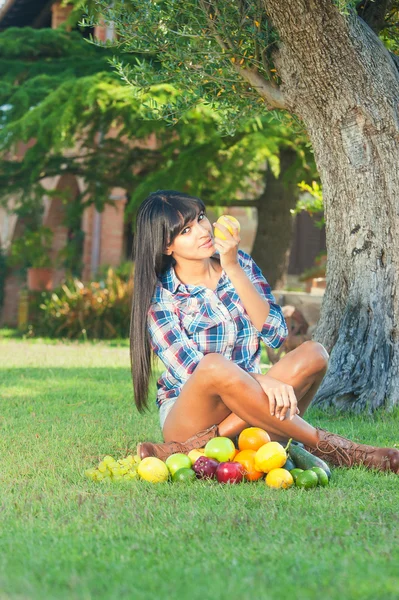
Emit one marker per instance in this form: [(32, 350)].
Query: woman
[(202, 306)]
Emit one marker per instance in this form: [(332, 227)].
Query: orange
[(246, 458), (252, 438)]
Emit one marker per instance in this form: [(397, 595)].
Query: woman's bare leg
[(301, 368), (219, 387)]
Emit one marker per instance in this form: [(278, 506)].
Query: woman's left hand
[(227, 248)]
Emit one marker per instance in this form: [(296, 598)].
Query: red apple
[(230, 472), (205, 468)]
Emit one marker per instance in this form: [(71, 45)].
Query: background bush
[(3, 274), (97, 310)]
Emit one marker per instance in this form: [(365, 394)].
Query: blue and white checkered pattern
[(185, 322)]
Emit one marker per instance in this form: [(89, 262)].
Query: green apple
[(221, 449), (177, 461)]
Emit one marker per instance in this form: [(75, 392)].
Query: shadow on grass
[(64, 410), (67, 386), (106, 394)]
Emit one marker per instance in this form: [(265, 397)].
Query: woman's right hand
[(281, 396)]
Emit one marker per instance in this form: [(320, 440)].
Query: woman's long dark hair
[(160, 218)]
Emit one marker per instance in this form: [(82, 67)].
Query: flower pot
[(40, 279), (308, 285), (318, 286)]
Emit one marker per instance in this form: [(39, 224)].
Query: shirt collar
[(172, 283)]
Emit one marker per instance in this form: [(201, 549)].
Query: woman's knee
[(214, 365), (315, 356)]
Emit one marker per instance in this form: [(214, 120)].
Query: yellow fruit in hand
[(153, 469), (270, 456), (226, 221), (279, 478)]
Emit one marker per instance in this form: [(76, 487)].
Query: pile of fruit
[(256, 458), (110, 469)]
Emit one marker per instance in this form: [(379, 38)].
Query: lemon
[(153, 470), (226, 221), (270, 456), (279, 478)]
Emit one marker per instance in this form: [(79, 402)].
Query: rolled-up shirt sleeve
[(274, 330), (169, 341)]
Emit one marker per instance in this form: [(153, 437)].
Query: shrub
[(124, 271), (318, 270), (32, 249), (98, 310)]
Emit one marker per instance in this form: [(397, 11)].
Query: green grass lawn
[(64, 406)]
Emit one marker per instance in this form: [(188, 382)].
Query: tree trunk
[(342, 82), (274, 232)]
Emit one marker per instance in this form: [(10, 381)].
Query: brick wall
[(59, 14), (9, 312), (87, 226), (111, 233), (55, 221), (112, 230)]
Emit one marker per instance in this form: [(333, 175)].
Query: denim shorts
[(165, 409)]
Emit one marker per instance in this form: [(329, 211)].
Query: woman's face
[(189, 242)]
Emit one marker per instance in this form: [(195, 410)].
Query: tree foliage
[(59, 92), (219, 52)]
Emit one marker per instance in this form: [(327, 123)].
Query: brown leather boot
[(162, 451), (342, 452)]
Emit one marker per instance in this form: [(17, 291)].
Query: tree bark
[(274, 232), (342, 82)]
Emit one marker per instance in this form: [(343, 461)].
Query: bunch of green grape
[(110, 469)]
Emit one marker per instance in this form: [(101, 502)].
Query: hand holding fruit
[(227, 239)]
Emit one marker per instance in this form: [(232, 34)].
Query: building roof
[(23, 13)]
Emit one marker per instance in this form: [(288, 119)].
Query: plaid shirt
[(186, 322)]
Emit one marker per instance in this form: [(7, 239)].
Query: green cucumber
[(304, 460), (289, 465)]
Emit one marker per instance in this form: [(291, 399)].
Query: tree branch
[(221, 202), (270, 93)]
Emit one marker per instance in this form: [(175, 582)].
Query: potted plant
[(318, 271), (31, 251)]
